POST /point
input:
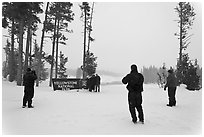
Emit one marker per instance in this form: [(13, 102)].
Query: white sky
[(131, 32)]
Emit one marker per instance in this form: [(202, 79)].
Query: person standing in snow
[(91, 83), (98, 81), (135, 87), (28, 82), (171, 84)]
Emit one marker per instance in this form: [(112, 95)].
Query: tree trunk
[(7, 62), (53, 50), (91, 28), (30, 52), (180, 74), (56, 65), (27, 48), (12, 68), (41, 46), (181, 44), (84, 43), (20, 56)]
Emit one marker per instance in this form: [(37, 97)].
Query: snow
[(104, 113)]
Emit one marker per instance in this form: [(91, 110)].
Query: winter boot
[(169, 105)]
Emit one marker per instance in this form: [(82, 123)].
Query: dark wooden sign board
[(68, 84)]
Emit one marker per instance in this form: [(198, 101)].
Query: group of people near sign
[(134, 81), (93, 83)]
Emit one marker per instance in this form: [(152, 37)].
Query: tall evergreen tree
[(89, 60), (62, 13), (8, 21), (85, 15), (89, 28), (43, 72), (186, 17), (53, 50), (41, 44), (31, 25), (65, 16), (5, 63), (20, 12)]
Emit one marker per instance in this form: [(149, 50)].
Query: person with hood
[(135, 87), (28, 82), (171, 84)]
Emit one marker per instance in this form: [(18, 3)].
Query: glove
[(165, 88), (33, 71)]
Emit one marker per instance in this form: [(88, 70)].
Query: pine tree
[(8, 21), (5, 63), (31, 23), (89, 60), (43, 74), (90, 64), (186, 17), (199, 72), (185, 66), (41, 44), (191, 77), (62, 14), (89, 28), (62, 68), (19, 13), (85, 13)]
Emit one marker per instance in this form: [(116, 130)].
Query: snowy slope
[(83, 112)]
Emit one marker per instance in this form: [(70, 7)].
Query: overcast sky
[(131, 32), (140, 33)]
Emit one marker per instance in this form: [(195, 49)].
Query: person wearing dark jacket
[(98, 81), (135, 87), (171, 84), (91, 83), (28, 82)]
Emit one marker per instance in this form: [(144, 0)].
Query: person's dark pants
[(171, 94), (135, 101), (93, 87), (28, 95), (97, 87)]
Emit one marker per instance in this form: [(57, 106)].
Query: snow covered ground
[(104, 113)]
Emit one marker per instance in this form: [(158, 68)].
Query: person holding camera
[(134, 81), (28, 83)]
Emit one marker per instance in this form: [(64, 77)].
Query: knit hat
[(170, 71), (133, 67), (28, 69)]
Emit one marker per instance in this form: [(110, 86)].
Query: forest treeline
[(152, 74), (21, 19)]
